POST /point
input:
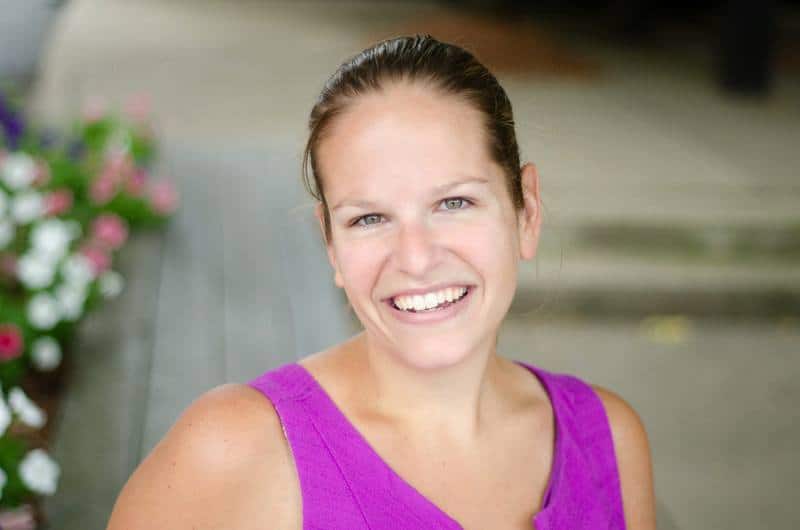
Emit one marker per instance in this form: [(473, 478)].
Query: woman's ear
[(530, 216), (319, 213)]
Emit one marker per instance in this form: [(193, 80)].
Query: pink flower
[(58, 201), (10, 342), (137, 107), (8, 265), (136, 183), (118, 167), (102, 190), (42, 174), (98, 257), (110, 230), (94, 109), (163, 197)]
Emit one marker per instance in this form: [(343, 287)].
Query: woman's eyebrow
[(450, 185), (357, 203), (360, 203)]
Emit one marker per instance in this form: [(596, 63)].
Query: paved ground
[(648, 149)]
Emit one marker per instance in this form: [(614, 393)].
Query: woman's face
[(424, 239)]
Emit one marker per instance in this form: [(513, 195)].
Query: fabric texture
[(346, 485)]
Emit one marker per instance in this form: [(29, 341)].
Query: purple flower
[(48, 138), (10, 124), (76, 149)]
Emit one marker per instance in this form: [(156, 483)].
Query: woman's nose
[(415, 251)]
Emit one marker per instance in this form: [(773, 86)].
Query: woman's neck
[(452, 402)]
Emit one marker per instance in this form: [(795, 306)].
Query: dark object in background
[(747, 46), (743, 34)]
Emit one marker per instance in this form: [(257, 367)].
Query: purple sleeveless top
[(346, 485)]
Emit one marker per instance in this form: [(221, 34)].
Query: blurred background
[(668, 142)]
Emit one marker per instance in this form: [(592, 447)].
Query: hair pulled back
[(421, 58)]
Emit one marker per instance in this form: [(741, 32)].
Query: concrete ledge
[(636, 286)]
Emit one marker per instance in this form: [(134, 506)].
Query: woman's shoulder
[(234, 431), (234, 420), (587, 403), (632, 450), (593, 405), (627, 428), (224, 457), (621, 414)]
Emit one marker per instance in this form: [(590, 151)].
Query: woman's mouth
[(430, 302)]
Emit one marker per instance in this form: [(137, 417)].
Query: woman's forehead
[(403, 133)]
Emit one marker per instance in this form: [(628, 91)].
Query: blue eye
[(367, 220), (455, 203)]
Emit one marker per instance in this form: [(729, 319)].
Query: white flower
[(118, 144), (46, 353), (71, 298), (29, 412), (35, 271), (111, 284), (6, 233), (3, 203), (19, 171), (77, 270), (39, 472), (43, 311), (3, 480), (5, 416), (27, 207), (51, 238)]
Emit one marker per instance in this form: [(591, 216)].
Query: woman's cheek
[(360, 262), (485, 243)]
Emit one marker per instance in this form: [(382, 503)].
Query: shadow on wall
[(24, 27)]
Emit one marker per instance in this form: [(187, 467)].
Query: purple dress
[(346, 485)]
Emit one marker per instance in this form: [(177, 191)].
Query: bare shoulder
[(224, 464), (632, 450), (625, 422)]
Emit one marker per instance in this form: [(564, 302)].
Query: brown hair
[(421, 58)]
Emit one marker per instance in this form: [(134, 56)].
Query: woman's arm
[(633, 460), (224, 464)]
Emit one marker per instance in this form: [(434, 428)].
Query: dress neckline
[(413, 497)]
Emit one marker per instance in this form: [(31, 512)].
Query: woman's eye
[(455, 203), (369, 219)]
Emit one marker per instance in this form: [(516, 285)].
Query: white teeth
[(419, 302), (422, 302), (431, 301)]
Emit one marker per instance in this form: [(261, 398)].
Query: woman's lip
[(425, 317), (432, 289)]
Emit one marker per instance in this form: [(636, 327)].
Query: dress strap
[(327, 501), (587, 492)]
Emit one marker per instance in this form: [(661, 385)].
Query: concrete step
[(602, 282), (734, 241)]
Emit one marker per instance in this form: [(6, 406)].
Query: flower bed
[(67, 205)]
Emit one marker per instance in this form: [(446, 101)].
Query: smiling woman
[(416, 422)]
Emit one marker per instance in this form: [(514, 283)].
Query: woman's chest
[(499, 484), (501, 491)]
